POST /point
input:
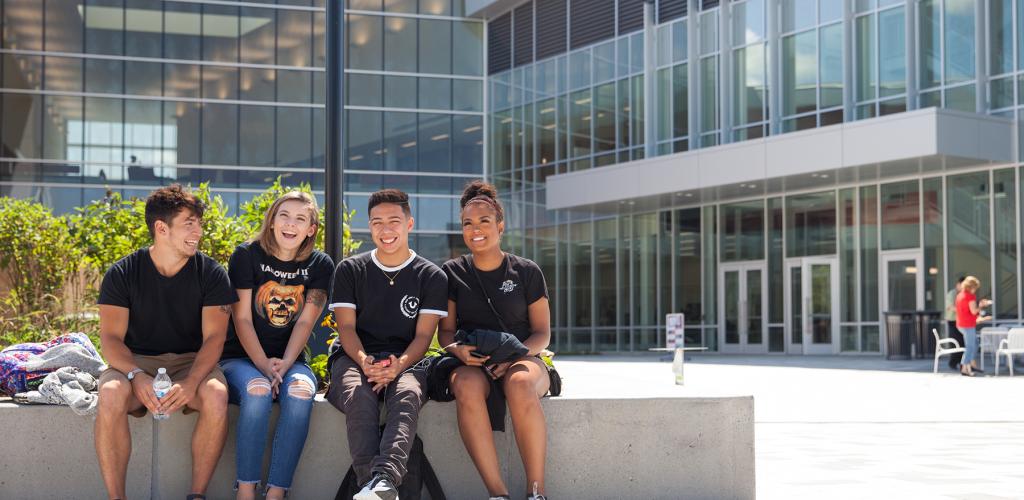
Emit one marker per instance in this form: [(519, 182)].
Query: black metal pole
[(335, 143)]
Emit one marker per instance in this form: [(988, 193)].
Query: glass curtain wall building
[(781, 171), (134, 94)]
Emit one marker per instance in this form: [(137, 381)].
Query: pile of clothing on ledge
[(61, 371)]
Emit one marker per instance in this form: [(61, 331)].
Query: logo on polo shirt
[(410, 306), (508, 286)]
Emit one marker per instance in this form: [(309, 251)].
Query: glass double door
[(812, 305), (742, 295)]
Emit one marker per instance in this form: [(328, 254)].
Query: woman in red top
[(967, 310)]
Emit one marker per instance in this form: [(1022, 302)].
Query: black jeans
[(954, 333)]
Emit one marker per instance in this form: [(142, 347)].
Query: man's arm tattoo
[(317, 297), (226, 309)]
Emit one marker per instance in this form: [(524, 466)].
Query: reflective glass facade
[(134, 94), (802, 270)]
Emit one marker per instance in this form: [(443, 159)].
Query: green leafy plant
[(108, 229), (319, 367), (221, 232)]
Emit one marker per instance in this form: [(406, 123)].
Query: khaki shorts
[(177, 365)]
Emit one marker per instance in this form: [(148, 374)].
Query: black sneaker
[(381, 487)]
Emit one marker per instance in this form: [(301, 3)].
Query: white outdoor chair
[(943, 351), (1012, 344)]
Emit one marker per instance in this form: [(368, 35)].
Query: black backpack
[(420, 476)]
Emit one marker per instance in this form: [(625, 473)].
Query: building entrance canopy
[(919, 142)]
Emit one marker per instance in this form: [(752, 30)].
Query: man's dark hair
[(165, 203), (393, 196), (961, 279)]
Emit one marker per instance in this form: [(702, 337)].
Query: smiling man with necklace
[(387, 303)]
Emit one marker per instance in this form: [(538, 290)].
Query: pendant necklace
[(391, 279)]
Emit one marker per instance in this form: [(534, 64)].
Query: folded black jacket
[(500, 346)]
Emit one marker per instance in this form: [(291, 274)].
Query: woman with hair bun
[(516, 288)]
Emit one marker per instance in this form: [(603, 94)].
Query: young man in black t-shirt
[(387, 303), (165, 306)]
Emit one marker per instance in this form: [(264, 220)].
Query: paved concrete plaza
[(844, 426)]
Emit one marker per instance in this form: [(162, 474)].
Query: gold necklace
[(391, 279)]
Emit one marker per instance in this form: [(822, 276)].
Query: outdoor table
[(677, 359), (989, 340)]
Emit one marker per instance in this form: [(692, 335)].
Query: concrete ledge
[(696, 447)]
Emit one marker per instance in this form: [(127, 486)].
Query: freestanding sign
[(674, 341)]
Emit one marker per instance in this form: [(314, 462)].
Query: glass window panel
[(104, 23), (1005, 234), (930, 43), (21, 71), (1001, 92), (364, 140), (1000, 17), (58, 134), (467, 144), (959, 40), (400, 6), (830, 10), (181, 132), (799, 73), (775, 281), (892, 52), (934, 298), (364, 42), (645, 273), (141, 78), (220, 82), (930, 99), (467, 95), (865, 57), (436, 7), (435, 46), (400, 142), (798, 14), (664, 110), (636, 52), (579, 66), (182, 27), (679, 41), (399, 91), (104, 76), (969, 228), (708, 32), (63, 24), (433, 213), (434, 142), (1020, 30), (581, 248), (364, 89), (435, 93), (65, 73), (256, 43), (869, 253), (831, 66), (579, 124), (961, 98), (220, 33), (364, 4), (636, 99), (743, 231), (663, 47), (811, 224), (182, 80), (294, 133), (688, 262), (400, 44), (680, 101), (220, 126), (604, 62), (749, 88), (256, 135), (605, 286), (747, 22), (547, 135), (468, 47), (709, 93), (848, 254), (256, 84), (901, 215), (143, 133), (604, 117), (24, 20), (294, 37)]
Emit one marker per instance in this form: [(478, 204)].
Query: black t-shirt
[(165, 314), (513, 286), (279, 292), (386, 314)]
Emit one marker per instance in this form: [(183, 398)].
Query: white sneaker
[(379, 488), (535, 495)]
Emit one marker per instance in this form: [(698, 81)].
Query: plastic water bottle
[(161, 384)]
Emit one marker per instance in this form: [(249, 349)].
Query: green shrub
[(221, 232), (107, 229)]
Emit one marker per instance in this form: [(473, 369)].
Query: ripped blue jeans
[(250, 390)]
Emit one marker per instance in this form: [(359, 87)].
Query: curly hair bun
[(478, 188)]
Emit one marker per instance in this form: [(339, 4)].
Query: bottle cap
[(162, 370)]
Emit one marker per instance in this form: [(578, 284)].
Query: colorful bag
[(15, 378)]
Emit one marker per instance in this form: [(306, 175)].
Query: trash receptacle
[(900, 330), (926, 322)]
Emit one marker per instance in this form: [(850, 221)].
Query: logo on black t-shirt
[(507, 286), (410, 305), (279, 304)]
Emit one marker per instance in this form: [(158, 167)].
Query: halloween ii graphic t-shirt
[(388, 300), (279, 293)]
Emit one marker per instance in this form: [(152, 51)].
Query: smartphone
[(477, 355), (386, 362)]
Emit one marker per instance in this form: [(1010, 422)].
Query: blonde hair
[(971, 283), (265, 235)]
